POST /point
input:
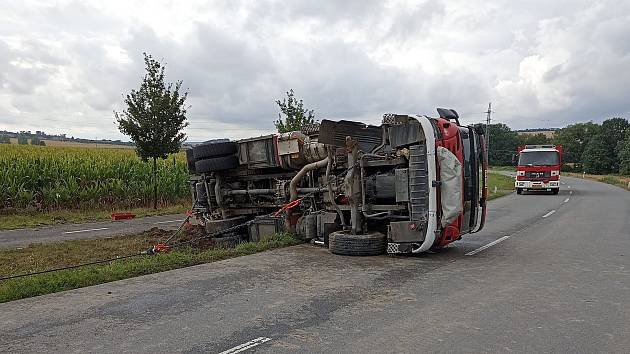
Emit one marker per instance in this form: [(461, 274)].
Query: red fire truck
[(538, 168)]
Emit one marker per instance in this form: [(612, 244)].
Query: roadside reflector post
[(495, 189), (583, 175)]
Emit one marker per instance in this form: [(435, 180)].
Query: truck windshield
[(539, 158)]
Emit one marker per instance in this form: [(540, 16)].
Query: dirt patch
[(190, 235)]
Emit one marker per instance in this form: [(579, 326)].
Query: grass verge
[(29, 219), (504, 185), (39, 257), (616, 180), (503, 168)]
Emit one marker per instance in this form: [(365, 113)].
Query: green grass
[(33, 218), (504, 184), (39, 257), (502, 168)]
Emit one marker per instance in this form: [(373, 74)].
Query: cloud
[(66, 65)]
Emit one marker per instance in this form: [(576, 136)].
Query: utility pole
[(488, 112)]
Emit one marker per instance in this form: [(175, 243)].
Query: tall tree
[(623, 151), (574, 139), (503, 144), (597, 158), (155, 117), (295, 115), (533, 139), (614, 129)]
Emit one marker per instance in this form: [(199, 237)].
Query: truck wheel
[(214, 149), (216, 164), (555, 191), (347, 244), (519, 190), (190, 159)]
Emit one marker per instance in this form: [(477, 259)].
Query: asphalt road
[(558, 281), (23, 237)]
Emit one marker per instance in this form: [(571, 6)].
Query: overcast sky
[(66, 65)]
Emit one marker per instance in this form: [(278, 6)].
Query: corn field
[(48, 178)]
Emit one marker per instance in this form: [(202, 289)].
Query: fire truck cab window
[(539, 158)]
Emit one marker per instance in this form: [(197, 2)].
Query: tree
[(614, 131), (4, 139), (155, 117), (623, 151), (295, 115), (574, 139), (597, 158), (503, 144), (533, 139)]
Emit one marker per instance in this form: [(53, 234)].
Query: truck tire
[(555, 191), (346, 244), (216, 164), (519, 190), (190, 160), (214, 149)]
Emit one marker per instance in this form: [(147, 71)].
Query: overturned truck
[(409, 185)]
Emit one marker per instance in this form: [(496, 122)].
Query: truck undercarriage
[(411, 184)]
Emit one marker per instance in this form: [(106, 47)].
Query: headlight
[(520, 173), (555, 173)]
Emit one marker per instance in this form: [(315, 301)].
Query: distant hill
[(62, 139), (548, 132)]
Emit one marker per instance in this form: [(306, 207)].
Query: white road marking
[(243, 347), (88, 230), (566, 200), (549, 213), (487, 246), (166, 222), (571, 192), (569, 187)]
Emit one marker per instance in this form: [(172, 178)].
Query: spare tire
[(190, 159), (347, 244), (214, 149), (216, 164)]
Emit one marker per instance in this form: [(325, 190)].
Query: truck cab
[(538, 168)]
